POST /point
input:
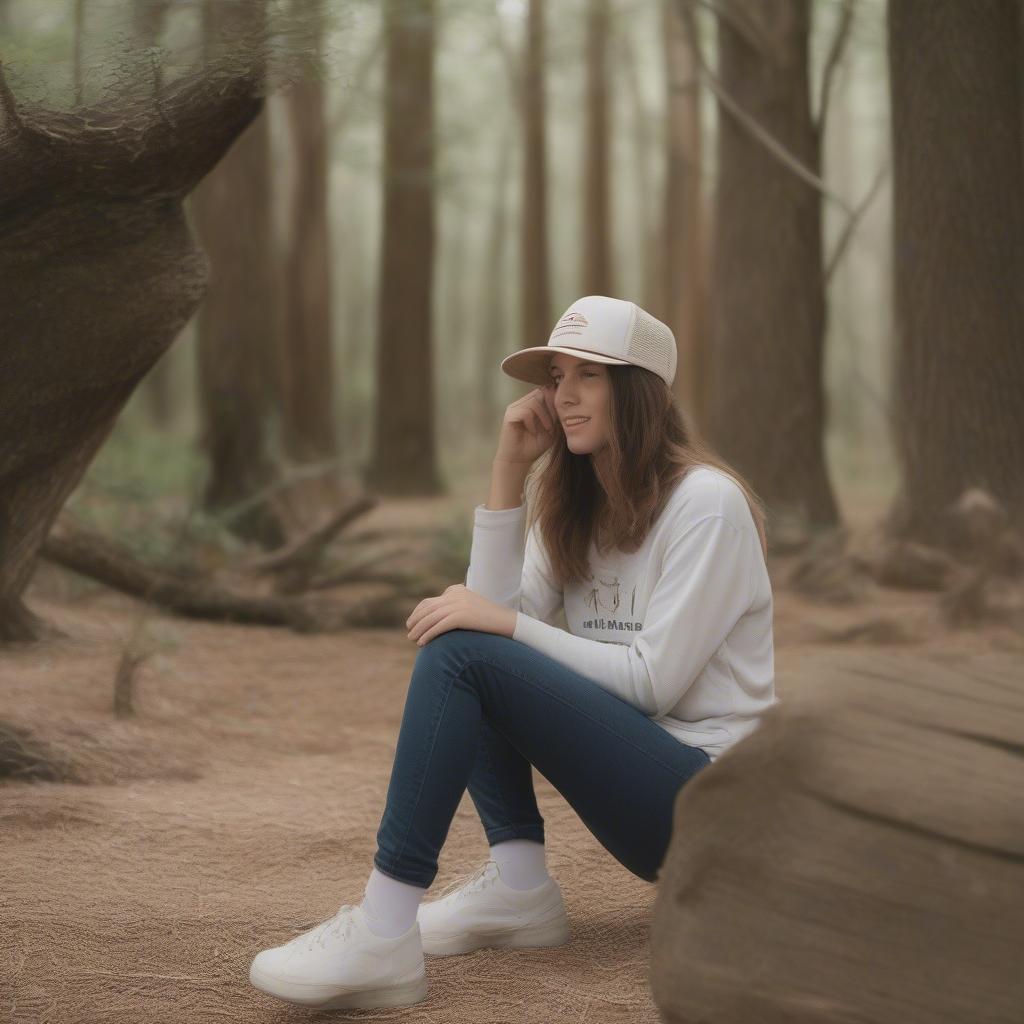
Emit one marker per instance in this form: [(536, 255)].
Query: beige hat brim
[(531, 364)]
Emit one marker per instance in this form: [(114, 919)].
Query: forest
[(260, 262)]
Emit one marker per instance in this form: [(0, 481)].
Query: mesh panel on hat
[(651, 343)]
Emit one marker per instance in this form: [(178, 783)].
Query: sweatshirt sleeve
[(508, 569), (706, 585)]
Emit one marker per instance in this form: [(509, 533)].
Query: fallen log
[(91, 554), (859, 857)]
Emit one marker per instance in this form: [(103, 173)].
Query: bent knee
[(455, 647)]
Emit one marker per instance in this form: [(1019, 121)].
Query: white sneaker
[(481, 910), (342, 964)]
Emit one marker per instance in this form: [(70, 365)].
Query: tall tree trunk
[(459, 380), (644, 153), (307, 389), (236, 323), (597, 249), (405, 458), (535, 285), (492, 329), (78, 42), (768, 406), (683, 239), (99, 306), (358, 301), (955, 74), (158, 387)]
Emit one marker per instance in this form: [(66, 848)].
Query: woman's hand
[(459, 608), (529, 427)]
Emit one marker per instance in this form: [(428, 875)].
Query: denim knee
[(451, 650)]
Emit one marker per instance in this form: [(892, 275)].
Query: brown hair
[(650, 448)]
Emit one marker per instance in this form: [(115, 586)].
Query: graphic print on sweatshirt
[(613, 610)]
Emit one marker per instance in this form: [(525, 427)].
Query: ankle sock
[(390, 906), (520, 863)]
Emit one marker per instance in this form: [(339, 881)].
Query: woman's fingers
[(549, 401), (527, 412), (548, 397), (419, 611), (442, 625), (543, 412), (423, 627)]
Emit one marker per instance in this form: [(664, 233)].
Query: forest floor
[(240, 806)]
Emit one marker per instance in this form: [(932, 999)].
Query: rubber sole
[(538, 936), (403, 992)]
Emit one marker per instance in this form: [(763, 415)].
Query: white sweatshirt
[(680, 628)]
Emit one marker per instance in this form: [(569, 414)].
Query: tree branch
[(743, 26), (832, 62), (852, 221), (748, 122)]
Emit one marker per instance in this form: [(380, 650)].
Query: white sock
[(390, 906), (520, 863)]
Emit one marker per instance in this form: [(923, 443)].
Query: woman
[(656, 551)]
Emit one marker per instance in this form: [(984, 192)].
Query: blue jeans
[(480, 710)]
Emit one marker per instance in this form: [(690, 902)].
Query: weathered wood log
[(860, 857)]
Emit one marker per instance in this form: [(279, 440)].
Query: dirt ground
[(240, 806)]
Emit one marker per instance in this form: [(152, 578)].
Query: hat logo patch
[(571, 323)]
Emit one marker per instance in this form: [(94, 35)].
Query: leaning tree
[(98, 273)]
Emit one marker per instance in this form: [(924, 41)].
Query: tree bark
[(78, 43), (597, 246), (405, 455), (99, 269), (645, 153), (959, 260), (535, 284), (768, 405), (683, 227), (308, 372), (843, 862), (148, 22), (457, 382), (493, 330), (235, 352)]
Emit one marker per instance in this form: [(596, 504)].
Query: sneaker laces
[(482, 877), (340, 925)]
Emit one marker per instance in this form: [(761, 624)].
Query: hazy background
[(474, 112)]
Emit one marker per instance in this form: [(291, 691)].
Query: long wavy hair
[(614, 502)]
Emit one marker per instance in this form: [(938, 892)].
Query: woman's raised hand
[(529, 427)]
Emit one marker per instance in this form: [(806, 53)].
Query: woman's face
[(581, 389)]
